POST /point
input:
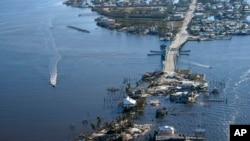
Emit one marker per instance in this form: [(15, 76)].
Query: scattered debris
[(154, 102)]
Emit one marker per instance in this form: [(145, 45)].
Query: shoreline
[(157, 82), (166, 19), (160, 83)]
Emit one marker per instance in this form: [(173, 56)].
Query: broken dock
[(79, 29)]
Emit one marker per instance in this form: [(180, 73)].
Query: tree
[(98, 123), (93, 126)]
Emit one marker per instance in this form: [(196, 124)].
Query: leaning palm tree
[(93, 126), (99, 120)]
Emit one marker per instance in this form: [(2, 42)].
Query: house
[(200, 7), (103, 21), (166, 130), (129, 102), (199, 15), (246, 8), (195, 29), (165, 133), (108, 21), (219, 6), (177, 17), (184, 3)]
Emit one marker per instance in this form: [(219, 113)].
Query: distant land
[(212, 20)]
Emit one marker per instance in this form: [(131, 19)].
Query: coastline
[(166, 19), (100, 60), (159, 81), (180, 39)]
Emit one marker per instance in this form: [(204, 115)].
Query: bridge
[(180, 38)]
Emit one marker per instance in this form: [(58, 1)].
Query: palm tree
[(98, 124), (93, 126)]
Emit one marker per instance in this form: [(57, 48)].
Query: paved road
[(180, 38)]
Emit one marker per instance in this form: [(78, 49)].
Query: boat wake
[(243, 78), (239, 90), (197, 64), (53, 73), (200, 65)]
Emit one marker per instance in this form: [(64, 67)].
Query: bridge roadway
[(180, 38)]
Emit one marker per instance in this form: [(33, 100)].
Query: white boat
[(53, 79)]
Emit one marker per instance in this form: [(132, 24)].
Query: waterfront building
[(129, 102)]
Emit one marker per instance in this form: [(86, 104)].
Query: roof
[(129, 101), (166, 128)]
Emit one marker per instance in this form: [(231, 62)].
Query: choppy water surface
[(37, 49)]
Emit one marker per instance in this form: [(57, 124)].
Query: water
[(84, 65), (81, 65), (221, 61), (229, 62)]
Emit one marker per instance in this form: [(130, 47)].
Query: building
[(177, 17), (129, 102), (106, 21)]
